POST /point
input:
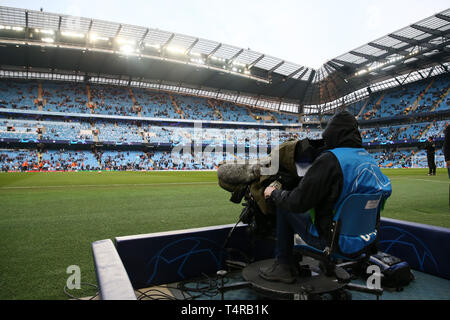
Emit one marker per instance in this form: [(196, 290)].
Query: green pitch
[(49, 220)]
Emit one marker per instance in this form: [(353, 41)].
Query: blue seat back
[(358, 216)]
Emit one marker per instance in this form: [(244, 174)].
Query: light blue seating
[(66, 158), (112, 132), (112, 100), (65, 97), (155, 105), (18, 95), (399, 101)]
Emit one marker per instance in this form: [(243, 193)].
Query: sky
[(307, 33)]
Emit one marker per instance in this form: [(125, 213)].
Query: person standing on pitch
[(447, 148), (430, 147), (447, 155)]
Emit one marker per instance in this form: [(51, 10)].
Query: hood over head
[(342, 132)]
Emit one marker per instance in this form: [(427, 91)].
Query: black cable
[(189, 289), (230, 233), (159, 295), (228, 250), (206, 286)]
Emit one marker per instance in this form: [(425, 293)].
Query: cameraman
[(308, 209)]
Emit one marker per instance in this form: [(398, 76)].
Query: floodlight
[(238, 64), (48, 40), (44, 31), (217, 59), (71, 34), (11, 28), (125, 41), (94, 37), (156, 46), (360, 72), (176, 50), (127, 49), (199, 61)]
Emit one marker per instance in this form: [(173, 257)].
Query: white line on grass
[(109, 185), (431, 180), (156, 184), (404, 178)]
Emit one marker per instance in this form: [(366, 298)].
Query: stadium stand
[(111, 100), (393, 133), (119, 132), (121, 101), (64, 97), (422, 97), (155, 105), (18, 95), (232, 112), (139, 133), (67, 97), (391, 125)]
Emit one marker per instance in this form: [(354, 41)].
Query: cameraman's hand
[(268, 192)]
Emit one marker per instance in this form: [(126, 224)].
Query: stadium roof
[(35, 40), (416, 47)]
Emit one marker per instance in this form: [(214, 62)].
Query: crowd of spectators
[(132, 131), (51, 160), (405, 158), (69, 160), (386, 133)]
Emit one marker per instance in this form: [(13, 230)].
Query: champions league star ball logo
[(402, 243), (181, 257)]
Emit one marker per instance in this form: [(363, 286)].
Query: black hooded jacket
[(447, 143), (321, 186), (430, 147)]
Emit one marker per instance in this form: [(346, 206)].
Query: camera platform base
[(305, 287)]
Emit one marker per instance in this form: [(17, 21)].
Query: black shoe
[(278, 272)]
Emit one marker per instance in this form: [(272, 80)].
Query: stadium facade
[(83, 94)]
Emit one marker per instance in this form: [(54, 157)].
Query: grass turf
[(49, 220)]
